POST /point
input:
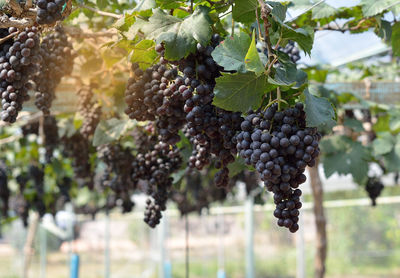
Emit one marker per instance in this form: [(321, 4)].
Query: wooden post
[(28, 250), (320, 221)]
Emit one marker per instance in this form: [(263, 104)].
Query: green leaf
[(392, 160), (383, 144), (146, 5), (394, 122), (111, 130), (240, 92), (319, 111), (384, 31), (66, 127), (323, 11), (304, 38), (236, 167), (102, 4), (252, 59), (374, 7), (396, 39), (245, 10), (288, 76), (144, 53), (345, 156), (180, 36), (354, 124), (231, 52), (278, 10)]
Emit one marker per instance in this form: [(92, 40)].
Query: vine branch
[(99, 12), (265, 12)]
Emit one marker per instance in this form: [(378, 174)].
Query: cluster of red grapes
[(90, 111), (57, 61), (18, 58), (50, 132), (280, 146), (374, 189), (154, 163), (154, 95), (4, 190), (291, 50), (77, 148), (211, 130), (49, 11)]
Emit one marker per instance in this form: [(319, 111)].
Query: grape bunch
[(291, 50), (154, 95), (50, 132), (4, 190), (19, 57), (36, 174), (30, 128), (77, 148), (211, 130), (374, 188), (280, 146), (57, 61), (117, 175), (90, 111), (49, 11), (154, 163), (64, 186)]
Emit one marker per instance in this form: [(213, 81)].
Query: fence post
[(43, 251), (249, 228), (161, 247), (107, 245), (74, 266)]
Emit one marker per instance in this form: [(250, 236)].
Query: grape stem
[(279, 98), (2, 40), (16, 8)]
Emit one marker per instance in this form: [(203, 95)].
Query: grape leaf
[(144, 53), (102, 4), (394, 122), (146, 5), (240, 92), (373, 7), (319, 111), (179, 36), (345, 156), (323, 11), (278, 10), (231, 52), (244, 11), (111, 130), (354, 124), (304, 38), (236, 167), (252, 59), (391, 160), (288, 76), (396, 39), (383, 144)]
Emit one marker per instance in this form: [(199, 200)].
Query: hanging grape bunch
[(374, 188), (291, 50), (90, 112), (57, 61), (18, 59), (211, 130), (49, 11), (4, 190), (50, 132), (280, 146)]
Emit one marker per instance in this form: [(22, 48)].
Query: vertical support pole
[(107, 245), (43, 251), (301, 254), (161, 247), (249, 229), (221, 245), (74, 266)]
